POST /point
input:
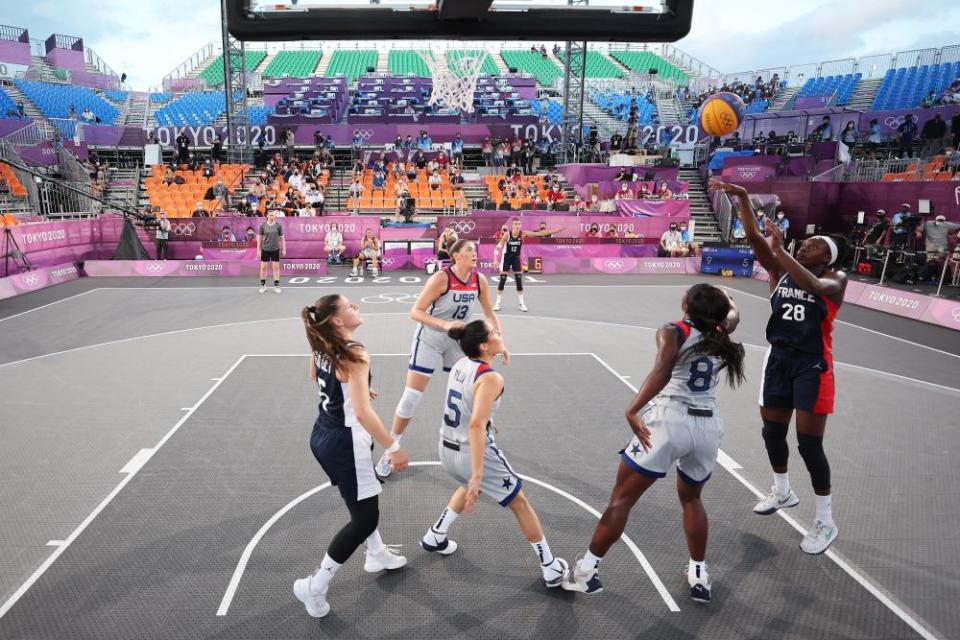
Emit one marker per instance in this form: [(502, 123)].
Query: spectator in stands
[(333, 245), (287, 137), (200, 212), (932, 135), (499, 155), (424, 142), (952, 162), (356, 188), (900, 225), (512, 171), (315, 198), (411, 171), (86, 115), (664, 192), (875, 139), (594, 231), (358, 168), (616, 141), (555, 195), (319, 141), (163, 234), (622, 175), (611, 231), (226, 235), (693, 248), (486, 150), (825, 131), (906, 132), (356, 145), (456, 180), (578, 205), (737, 232), (434, 181), (379, 181), (624, 192), (516, 149), (208, 170), (408, 146), (216, 150), (849, 135), (936, 235), (433, 166), (193, 162), (21, 111), (219, 189), (671, 243), (783, 223), (643, 192), (445, 242), (183, 148), (369, 250), (594, 203), (929, 101), (420, 161), (72, 113), (456, 150), (527, 154)]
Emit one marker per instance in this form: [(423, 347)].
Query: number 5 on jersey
[(452, 416)]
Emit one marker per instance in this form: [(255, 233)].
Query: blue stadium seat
[(8, 108), (257, 116), (54, 100), (843, 86), (193, 109), (618, 106), (160, 98), (906, 87)]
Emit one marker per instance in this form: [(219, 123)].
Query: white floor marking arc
[(731, 466), (49, 304), (234, 583), (12, 600)]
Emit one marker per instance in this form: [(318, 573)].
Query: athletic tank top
[(456, 303), (514, 245), (447, 243), (458, 408), (336, 410), (695, 375), (801, 321)]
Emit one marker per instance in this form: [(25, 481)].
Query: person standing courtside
[(271, 245), (163, 234)]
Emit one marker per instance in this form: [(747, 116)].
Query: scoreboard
[(727, 261)]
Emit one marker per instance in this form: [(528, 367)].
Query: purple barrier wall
[(748, 173), (484, 226), (37, 279), (812, 102), (15, 52), (107, 136), (8, 126), (672, 209), (608, 189), (584, 173), (66, 59), (97, 80), (197, 268), (890, 120)]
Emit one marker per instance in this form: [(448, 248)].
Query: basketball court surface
[(156, 479)]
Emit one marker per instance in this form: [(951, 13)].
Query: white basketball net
[(454, 81)]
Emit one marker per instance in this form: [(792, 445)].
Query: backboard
[(530, 20)]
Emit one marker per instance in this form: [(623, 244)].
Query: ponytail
[(324, 339), (708, 308)]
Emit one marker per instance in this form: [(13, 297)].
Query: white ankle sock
[(447, 518), (825, 510), (322, 577), (697, 569), (396, 436), (375, 543), (590, 562), (542, 549), (781, 481), (520, 297)]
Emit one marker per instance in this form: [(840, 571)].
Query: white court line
[(861, 327), (54, 543), (139, 459), (728, 463), (50, 304), (255, 540), (93, 514)]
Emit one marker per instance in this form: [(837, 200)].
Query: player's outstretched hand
[(399, 460), (641, 431), (505, 356)]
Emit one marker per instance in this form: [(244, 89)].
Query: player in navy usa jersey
[(677, 423), (805, 294), (342, 441), (448, 299), (510, 246)]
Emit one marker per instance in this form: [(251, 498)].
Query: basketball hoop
[(455, 80)]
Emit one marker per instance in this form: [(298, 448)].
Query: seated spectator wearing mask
[(692, 247), (226, 235), (671, 243), (200, 212), (333, 245), (251, 235), (936, 238), (782, 223), (624, 192), (664, 191), (594, 231)]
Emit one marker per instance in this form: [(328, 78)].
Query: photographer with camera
[(935, 234), (904, 222)]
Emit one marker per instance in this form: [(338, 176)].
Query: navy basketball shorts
[(795, 380), (345, 455), (510, 263)]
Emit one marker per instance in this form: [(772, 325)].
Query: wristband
[(394, 447)]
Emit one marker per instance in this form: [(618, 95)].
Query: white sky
[(147, 40)]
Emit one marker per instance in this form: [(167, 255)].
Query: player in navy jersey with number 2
[(448, 299), (342, 440), (677, 422), (806, 293)]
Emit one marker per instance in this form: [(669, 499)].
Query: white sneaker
[(353, 274), (262, 290), (374, 273), (699, 584), (384, 561), (432, 543), (819, 538), (554, 572), (276, 289), (316, 604), (584, 581), (384, 468), (523, 307), (775, 501), (498, 306)]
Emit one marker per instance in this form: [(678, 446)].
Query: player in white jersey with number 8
[(448, 300), (469, 453), (678, 422)]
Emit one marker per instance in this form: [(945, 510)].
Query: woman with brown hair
[(342, 441)]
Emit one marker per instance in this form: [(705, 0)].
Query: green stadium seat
[(351, 63), (643, 61), (295, 64)]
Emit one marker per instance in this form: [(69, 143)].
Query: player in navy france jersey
[(510, 245), (342, 441), (677, 423), (805, 294)]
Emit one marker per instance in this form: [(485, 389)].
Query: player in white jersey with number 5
[(448, 300), (470, 454), (678, 422)]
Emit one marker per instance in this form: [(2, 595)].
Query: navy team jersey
[(801, 321), (336, 410), (514, 245)]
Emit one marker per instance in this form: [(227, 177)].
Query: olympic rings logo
[(154, 268), (894, 121), (386, 261), (956, 314), (430, 260), (464, 226), (366, 134), (747, 172), (183, 229), (31, 280), (386, 298), (613, 264)]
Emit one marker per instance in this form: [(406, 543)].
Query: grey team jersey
[(456, 303), (695, 375), (458, 408)]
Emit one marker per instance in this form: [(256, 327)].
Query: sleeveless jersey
[(456, 303), (336, 410), (801, 321), (695, 375), (513, 245), (458, 411)]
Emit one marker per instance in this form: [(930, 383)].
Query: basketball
[(721, 114)]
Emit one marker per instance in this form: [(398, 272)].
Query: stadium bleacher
[(294, 64), (160, 97), (643, 61), (618, 105), (54, 100), (599, 66), (544, 69), (842, 86), (8, 108), (180, 200), (403, 62), (489, 67), (193, 109), (351, 63), (212, 74), (905, 87)]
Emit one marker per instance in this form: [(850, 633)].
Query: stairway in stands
[(705, 221), (862, 98)]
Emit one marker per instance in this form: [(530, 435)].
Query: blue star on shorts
[(636, 450), (507, 482)]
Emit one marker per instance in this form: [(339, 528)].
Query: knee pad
[(519, 278), (775, 439), (811, 450), (408, 403), (503, 282)]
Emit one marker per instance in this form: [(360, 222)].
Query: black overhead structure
[(463, 9)]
